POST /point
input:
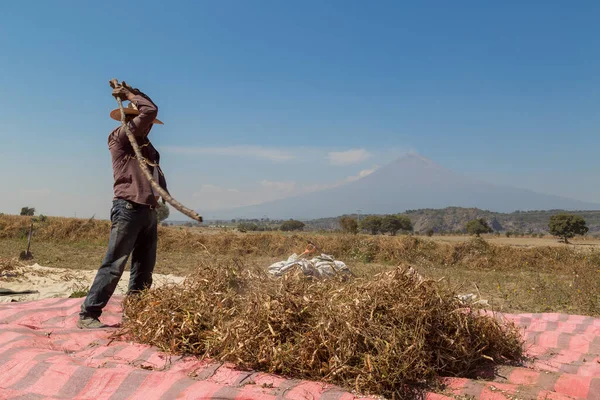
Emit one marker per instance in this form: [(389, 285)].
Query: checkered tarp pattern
[(43, 356)]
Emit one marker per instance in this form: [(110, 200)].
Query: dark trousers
[(134, 228)]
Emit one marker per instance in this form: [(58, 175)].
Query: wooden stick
[(29, 238), (138, 154)]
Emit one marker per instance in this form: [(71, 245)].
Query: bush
[(292, 225), (162, 212), (349, 225), (41, 218), (429, 232), (79, 293), (247, 227)]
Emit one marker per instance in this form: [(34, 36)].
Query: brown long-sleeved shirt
[(130, 183)]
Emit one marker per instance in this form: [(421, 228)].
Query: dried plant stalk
[(385, 335)]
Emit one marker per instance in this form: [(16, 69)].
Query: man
[(133, 214)]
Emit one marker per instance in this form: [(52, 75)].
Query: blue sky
[(266, 99)]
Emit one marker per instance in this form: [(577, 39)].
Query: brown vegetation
[(382, 249), (8, 266), (376, 335), (534, 279), (54, 228)]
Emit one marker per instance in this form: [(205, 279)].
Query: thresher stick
[(138, 154)]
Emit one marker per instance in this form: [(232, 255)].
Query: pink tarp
[(43, 356)]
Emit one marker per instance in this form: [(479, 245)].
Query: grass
[(79, 292), (88, 255)]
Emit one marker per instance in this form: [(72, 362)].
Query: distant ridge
[(410, 182), (454, 219)]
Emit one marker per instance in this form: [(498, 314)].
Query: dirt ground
[(49, 282), (498, 240), (523, 241)]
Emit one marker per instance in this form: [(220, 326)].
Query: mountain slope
[(411, 182)]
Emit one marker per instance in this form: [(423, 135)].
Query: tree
[(405, 223), (247, 226), (478, 226), (162, 212), (28, 211), (566, 226), (349, 225), (292, 225), (371, 223), (394, 223)]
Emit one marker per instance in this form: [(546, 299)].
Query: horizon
[(264, 101), (558, 211)]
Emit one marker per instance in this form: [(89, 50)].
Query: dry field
[(547, 241), (513, 274)]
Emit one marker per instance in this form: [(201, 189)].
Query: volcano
[(411, 182)]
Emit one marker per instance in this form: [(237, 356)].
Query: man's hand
[(123, 93), (135, 91)]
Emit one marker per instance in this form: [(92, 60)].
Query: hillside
[(452, 219)]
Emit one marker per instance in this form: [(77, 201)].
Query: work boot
[(90, 323)]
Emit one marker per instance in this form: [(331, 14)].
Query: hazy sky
[(265, 99)]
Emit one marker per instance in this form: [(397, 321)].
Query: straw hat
[(131, 109)]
